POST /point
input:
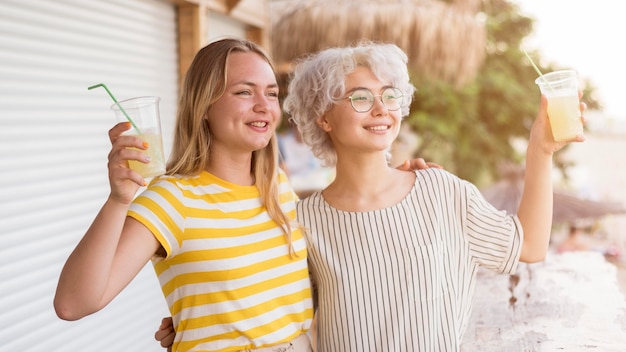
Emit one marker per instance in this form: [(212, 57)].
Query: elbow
[(535, 247), (67, 310), (65, 313), (534, 256), (532, 259)]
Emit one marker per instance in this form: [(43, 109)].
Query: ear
[(323, 123)]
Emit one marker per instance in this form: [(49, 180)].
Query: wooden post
[(193, 21), (191, 33)]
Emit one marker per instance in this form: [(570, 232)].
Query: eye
[(243, 92), (272, 94), (391, 93), (359, 96)]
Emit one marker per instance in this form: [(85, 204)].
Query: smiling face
[(245, 117), (359, 132)]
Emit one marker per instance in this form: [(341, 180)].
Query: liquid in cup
[(561, 89), (144, 112)]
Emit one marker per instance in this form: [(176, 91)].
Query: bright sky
[(585, 36)]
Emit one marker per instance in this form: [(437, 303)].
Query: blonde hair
[(205, 83)]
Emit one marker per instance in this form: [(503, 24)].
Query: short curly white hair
[(318, 82)]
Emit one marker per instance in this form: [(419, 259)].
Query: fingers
[(165, 335), (118, 175), (405, 166), (541, 136), (119, 169), (168, 340), (417, 164), (578, 138), (167, 322), (128, 148), (125, 148), (543, 106), (117, 130), (434, 165), (583, 107), (121, 142)]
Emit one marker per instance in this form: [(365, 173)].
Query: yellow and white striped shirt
[(228, 278)]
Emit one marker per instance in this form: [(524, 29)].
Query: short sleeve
[(160, 209), (495, 237)]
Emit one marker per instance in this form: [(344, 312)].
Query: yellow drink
[(143, 113), (561, 89), (564, 116), (156, 166)]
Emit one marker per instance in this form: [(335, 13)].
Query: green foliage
[(471, 130)]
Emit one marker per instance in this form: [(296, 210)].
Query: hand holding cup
[(561, 90)]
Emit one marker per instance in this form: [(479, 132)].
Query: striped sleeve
[(159, 208), (495, 237)]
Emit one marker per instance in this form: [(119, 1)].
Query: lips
[(378, 128), (260, 124)]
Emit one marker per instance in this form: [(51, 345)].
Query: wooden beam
[(192, 17), (231, 4), (259, 36), (191, 34)]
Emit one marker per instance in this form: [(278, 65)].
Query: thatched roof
[(444, 40)]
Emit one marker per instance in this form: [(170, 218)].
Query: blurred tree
[(472, 130)]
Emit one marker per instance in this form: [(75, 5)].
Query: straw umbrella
[(444, 40), (506, 194)]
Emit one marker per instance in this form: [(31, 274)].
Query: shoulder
[(433, 176), (442, 181), (282, 176), (314, 200), (178, 181), (179, 186)]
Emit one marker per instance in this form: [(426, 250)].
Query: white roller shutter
[(53, 154)]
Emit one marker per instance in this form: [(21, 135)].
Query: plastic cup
[(144, 112), (561, 89)]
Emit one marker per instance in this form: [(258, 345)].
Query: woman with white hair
[(394, 254)]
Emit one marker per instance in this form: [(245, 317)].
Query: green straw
[(118, 104), (537, 69)]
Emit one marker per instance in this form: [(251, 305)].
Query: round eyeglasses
[(362, 99)]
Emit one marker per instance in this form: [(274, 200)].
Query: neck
[(366, 184), (362, 175), (235, 169)]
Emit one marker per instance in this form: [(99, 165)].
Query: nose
[(263, 103), (379, 106)]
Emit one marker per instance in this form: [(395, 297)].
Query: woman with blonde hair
[(218, 226)]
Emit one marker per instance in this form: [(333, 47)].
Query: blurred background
[(475, 103)]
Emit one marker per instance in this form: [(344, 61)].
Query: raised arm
[(536, 205), (114, 248)]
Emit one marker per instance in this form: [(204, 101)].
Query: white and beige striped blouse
[(402, 278)]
